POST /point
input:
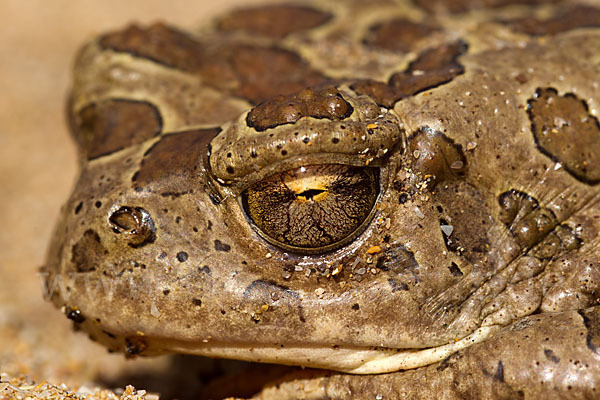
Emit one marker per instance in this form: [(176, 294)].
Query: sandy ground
[(38, 39)]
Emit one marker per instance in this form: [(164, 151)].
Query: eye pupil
[(310, 194), (313, 208)]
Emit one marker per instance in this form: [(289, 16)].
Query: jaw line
[(348, 359)]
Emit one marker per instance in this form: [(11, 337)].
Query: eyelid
[(237, 186), (368, 134)]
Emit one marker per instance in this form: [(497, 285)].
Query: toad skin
[(401, 192)]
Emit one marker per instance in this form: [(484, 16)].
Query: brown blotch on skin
[(173, 163), (381, 92), (253, 72), (87, 254), (435, 154), (458, 6), (397, 35), (565, 131), (160, 43), (111, 125), (136, 224), (327, 103), (573, 18), (433, 67), (273, 21), (260, 73)]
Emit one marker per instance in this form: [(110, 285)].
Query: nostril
[(124, 220), (136, 223)]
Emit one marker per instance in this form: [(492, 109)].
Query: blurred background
[(38, 40)]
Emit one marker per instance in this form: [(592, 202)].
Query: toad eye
[(314, 208)]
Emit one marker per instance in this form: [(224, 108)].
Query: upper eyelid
[(368, 134), (237, 186), (257, 207)]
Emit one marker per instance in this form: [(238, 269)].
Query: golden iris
[(313, 208)]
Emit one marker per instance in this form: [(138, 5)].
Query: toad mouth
[(359, 360)]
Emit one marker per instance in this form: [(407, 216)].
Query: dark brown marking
[(87, 254), (397, 35), (565, 20), (253, 72), (204, 270), (220, 246), (565, 131), (174, 162), (454, 270), (182, 256), (259, 73), (160, 43), (111, 125), (327, 103), (273, 21), (433, 67), (403, 198), (135, 224), (74, 315), (382, 93), (458, 6), (551, 356), (435, 154), (591, 320), (135, 345)]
